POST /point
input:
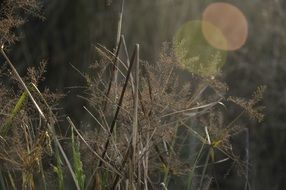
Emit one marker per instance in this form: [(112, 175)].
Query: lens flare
[(230, 21), (214, 36), (193, 51)]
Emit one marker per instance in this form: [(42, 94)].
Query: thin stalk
[(114, 184), (118, 44), (246, 185), (22, 82), (56, 141), (190, 176), (128, 61), (2, 182), (91, 149), (136, 105), (119, 26), (117, 109), (13, 185), (204, 170), (43, 176), (114, 74)]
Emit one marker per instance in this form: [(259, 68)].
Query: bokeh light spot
[(230, 21), (193, 51), (214, 36)]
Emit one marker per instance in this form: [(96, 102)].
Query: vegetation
[(149, 127)]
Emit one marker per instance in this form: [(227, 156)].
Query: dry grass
[(151, 125)]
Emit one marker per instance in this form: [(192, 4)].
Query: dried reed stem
[(118, 108), (135, 114), (51, 129)]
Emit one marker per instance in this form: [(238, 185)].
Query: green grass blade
[(20, 103), (77, 163)]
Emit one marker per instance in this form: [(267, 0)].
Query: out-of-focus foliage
[(13, 14)]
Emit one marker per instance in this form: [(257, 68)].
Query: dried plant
[(250, 106), (150, 124), (25, 141), (13, 15), (168, 105)]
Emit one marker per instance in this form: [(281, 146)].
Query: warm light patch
[(231, 23), (195, 53), (214, 36)]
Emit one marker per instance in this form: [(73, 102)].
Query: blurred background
[(71, 30)]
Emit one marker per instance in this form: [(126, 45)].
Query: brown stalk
[(42, 116), (91, 149), (22, 82), (128, 61), (135, 117), (118, 108), (114, 73)]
